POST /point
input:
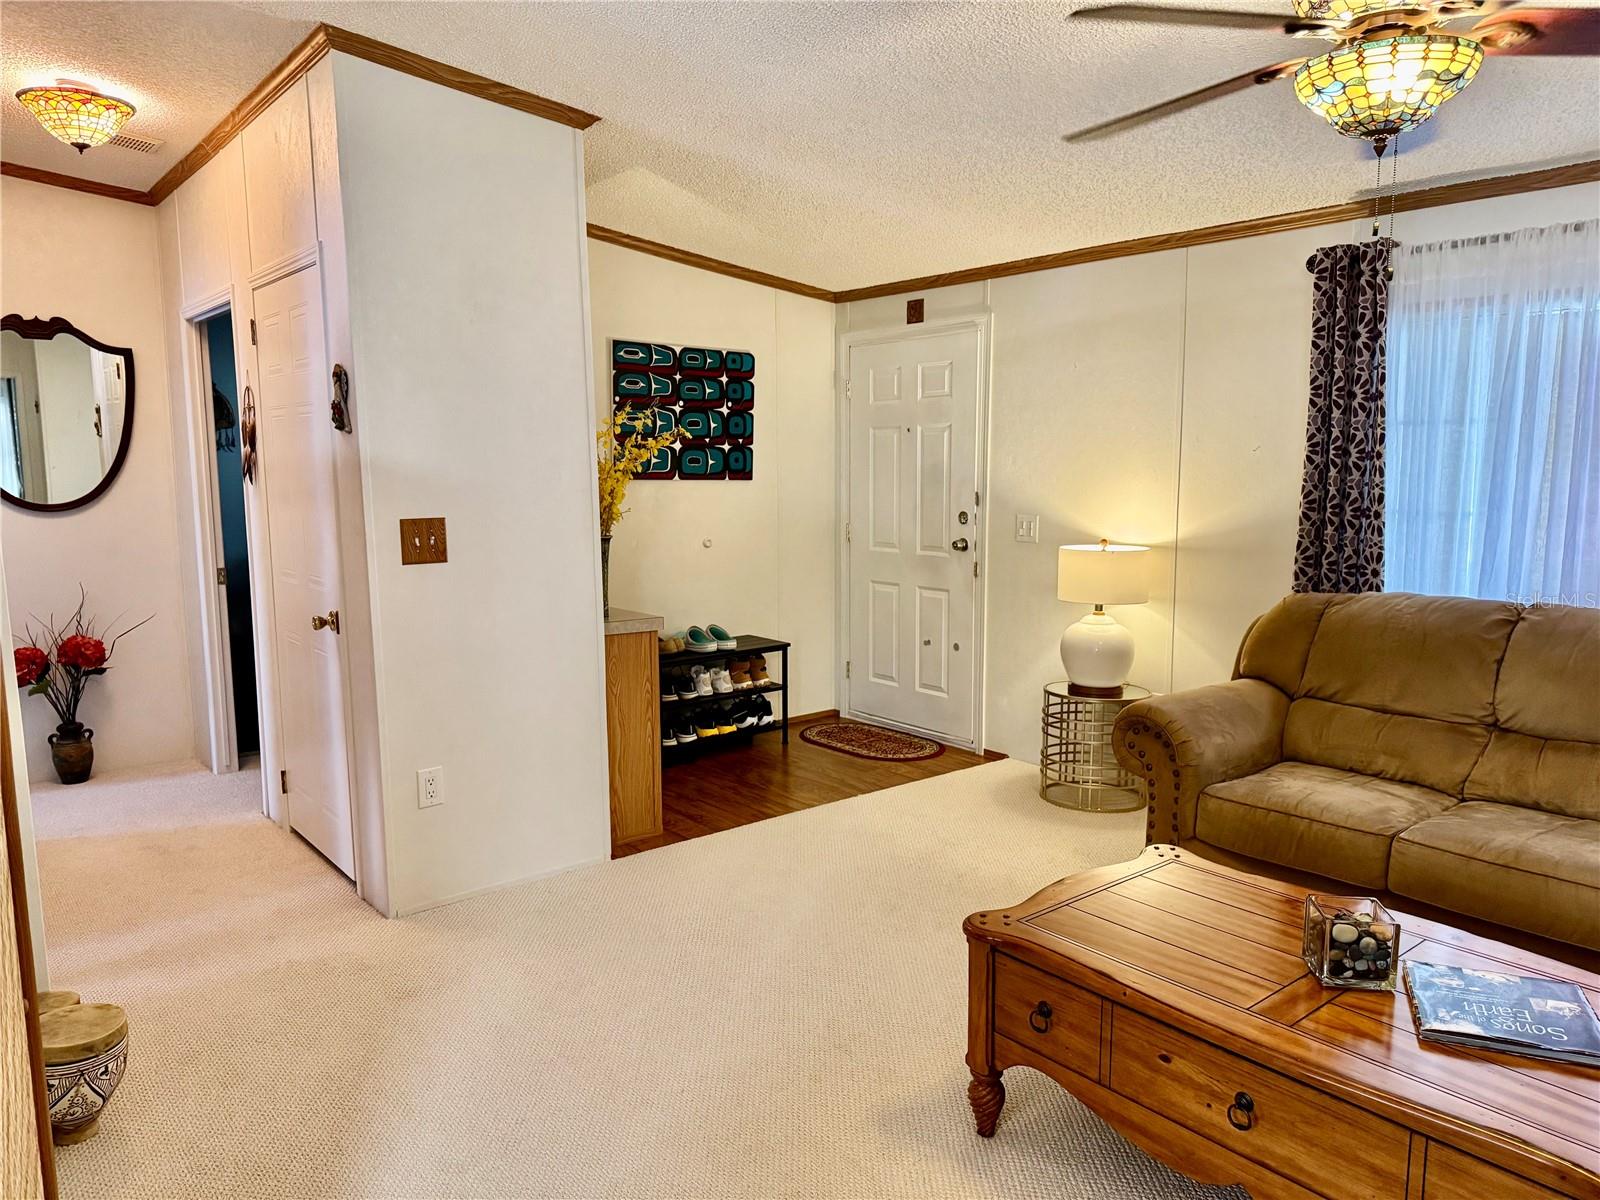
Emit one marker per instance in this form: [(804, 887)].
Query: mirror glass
[(66, 409)]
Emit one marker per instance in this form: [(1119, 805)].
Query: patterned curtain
[(1340, 547)]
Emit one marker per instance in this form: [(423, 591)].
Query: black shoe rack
[(748, 645)]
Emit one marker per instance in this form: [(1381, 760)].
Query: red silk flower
[(32, 662), (81, 651)]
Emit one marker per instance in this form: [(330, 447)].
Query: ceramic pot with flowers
[(57, 663)]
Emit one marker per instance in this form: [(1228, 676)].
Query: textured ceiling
[(838, 144)]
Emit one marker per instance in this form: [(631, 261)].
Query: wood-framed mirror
[(66, 413)]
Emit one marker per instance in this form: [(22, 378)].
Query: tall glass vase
[(605, 573)]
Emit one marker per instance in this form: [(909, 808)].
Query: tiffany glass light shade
[(1340, 10), (1380, 88), (77, 116)]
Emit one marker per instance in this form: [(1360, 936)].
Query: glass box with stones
[(1351, 941)]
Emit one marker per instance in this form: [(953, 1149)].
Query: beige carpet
[(773, 1011)]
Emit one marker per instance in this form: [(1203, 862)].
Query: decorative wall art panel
[(708, 395)]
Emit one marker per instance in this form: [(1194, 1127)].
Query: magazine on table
[(1493, 1010)]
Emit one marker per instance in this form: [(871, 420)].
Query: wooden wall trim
[(1449, 193), (109, 190), (311, 51), (705, 263), (282, 77), (445, 75)]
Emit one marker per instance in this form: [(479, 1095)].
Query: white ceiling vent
[(143, 145)]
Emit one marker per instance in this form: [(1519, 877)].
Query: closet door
[(295, 469)]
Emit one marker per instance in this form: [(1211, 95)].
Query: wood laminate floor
[(727, 786)]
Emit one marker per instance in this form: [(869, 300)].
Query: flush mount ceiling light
[(76, 115), (1377, 89)]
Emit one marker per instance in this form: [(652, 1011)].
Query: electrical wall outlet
[(430, 787), (1027, 527)]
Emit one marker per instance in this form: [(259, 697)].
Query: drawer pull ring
[(1039, 1018), (1242, 1112)]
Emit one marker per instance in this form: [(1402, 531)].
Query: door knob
[(959, 544), (331, 621)]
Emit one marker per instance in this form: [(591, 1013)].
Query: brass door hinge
[(252, 331), (283, 782), (847, 668), (222, 576)]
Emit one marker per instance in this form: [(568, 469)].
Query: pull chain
[(1378, 148), (1394, 192)]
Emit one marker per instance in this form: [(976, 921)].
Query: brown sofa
[(1435, 748)]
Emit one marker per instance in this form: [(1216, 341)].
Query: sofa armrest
[(1181, 744)]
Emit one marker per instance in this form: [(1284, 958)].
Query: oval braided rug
[(870, 741)]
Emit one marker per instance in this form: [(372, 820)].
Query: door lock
[(331, 621), (959, 544)]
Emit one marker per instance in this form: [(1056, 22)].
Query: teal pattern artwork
[(708, 395)]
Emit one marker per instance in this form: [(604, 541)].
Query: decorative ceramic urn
[(85, 1053)]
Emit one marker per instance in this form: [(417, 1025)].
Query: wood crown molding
[(109, 190), (705, 263), (1448, 193)]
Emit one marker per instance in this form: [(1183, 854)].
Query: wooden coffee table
[(1168, 994)]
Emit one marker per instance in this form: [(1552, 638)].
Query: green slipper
[(698, 639), (725, 640)]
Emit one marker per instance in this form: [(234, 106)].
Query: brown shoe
[(758, 671), (739, 669)]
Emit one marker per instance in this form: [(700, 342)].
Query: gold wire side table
[(1077, 768)]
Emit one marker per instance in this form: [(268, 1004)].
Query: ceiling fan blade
[(1155, 112), (1213, 17), (1572, 31)]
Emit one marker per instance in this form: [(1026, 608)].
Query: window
[(1492, 458)]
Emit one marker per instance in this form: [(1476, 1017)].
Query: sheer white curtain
[(1493, 449)]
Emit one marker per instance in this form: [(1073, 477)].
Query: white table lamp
[(1097, 651)]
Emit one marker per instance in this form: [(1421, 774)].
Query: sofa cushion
[(1550, 681), (1420, 750), (1514, 866), (1534, 772), (1276, 645), (1419, 656), (1315, 818)]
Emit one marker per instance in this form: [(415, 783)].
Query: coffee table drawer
[(1453, 1175), (1331, 1147), (1047, 1015)]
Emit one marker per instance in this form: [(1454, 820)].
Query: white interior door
[(295, 470), (914, 532)]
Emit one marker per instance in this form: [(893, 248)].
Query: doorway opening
[(232, 537)]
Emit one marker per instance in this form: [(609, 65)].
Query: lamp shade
[(1103, 574), (76, 115)]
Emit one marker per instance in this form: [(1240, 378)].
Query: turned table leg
[(987, 1095)]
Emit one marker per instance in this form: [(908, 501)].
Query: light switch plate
[(422, 540), (1027, 527)]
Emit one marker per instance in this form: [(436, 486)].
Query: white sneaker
[(702, 681), (721, 681)]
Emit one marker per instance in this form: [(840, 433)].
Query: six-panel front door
[(295, 436), (913, 530)]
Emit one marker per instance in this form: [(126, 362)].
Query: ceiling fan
[(1392, 65)]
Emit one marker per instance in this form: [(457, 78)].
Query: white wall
[(1158, 398), (94, 262), (770, 566), (471, 392)]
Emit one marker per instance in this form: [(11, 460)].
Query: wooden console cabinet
[(633, 725)]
